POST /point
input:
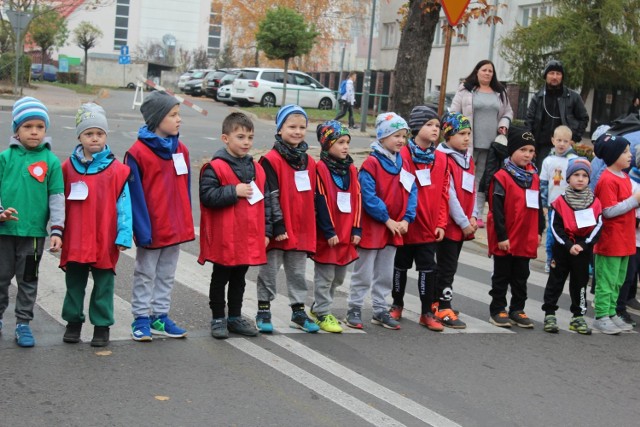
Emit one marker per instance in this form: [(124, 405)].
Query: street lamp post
[(367, 75)]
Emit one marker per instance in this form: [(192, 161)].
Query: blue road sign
[(63, 65), (124, 59), (124, 50)]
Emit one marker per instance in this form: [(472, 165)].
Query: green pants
[(610, 274), (101, 301)]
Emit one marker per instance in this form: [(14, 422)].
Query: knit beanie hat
[(419, 116), (600, 130), (609, 147), (519, 138), (89, 116), (453, 123), (155, 107), (29, 108), (553, 65), (388, 124), (576, 164), (287, 110), (329, 132)]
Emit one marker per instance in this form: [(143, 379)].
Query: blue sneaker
[(24, 337), (163, 325), (141, 329), (263, 322), (299, 320)]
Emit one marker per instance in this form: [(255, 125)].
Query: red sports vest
[(466, 198), (521, 221), (617, 237), (233, 235), (567, 213), (166, 195), (91, 225), (433, 200), (297, 206), (376, 235), (344, 252)]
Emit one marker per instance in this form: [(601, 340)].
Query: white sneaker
[(621, 324), (606, 326)]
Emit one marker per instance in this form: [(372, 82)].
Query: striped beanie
[(287, 110), (576, 164), (29, 108), (419, 116)]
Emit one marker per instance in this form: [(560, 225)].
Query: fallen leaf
[(103, 353), (162, 398)]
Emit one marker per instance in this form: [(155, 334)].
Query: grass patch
[(314, 114), (78, 88)]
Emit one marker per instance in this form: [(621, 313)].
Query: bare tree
[(85, 37)]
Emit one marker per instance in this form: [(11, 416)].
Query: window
[(122, 24), (532, 12), (439, 38), (390, 35), (269, 76), (215, 29)]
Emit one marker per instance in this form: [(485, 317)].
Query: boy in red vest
[(161, 201), (291, 183), (389, 197), (576, 222), (338, 207), (514, 228), (617, 241), (232, 224), (97, 226), (431, 173), (462, 212)]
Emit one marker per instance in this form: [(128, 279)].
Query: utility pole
[(19, 22), (367, 75)]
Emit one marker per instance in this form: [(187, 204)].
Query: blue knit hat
[(576, 164), (287, 110), (29, 108), (388, 124)]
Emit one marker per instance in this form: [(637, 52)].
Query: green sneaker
[(551, 324), (329, 323), (579, 325)]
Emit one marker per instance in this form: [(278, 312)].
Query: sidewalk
[(56, 99)]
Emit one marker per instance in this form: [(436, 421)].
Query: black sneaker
[(242, 326), (500, 319), (519, 318), (626, 317), (100, 336), (72, 333), (219, 328)]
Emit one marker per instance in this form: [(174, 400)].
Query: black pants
[(424, 255), (508, 270), (564, 265), (344, 107), (448, 254), (219, 278), (630, 285)]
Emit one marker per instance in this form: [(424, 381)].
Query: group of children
[(412, 200)]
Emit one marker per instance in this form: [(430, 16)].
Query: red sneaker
[(395, 312), (480, 223), (431, 322)]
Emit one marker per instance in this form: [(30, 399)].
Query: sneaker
[(480, 223), (384, 319), (329, 323), (431, 322), (500, 319), (141, 329), (633, 305), (606, 326), (24, 336), (579, 324), (72, 333), (547, 268), (263, 322), (396, 312), (621, 324), (219, 328), (354, 318), (300, 320), (626, 318), (241, 326), (450, 319), (519, 318), (163, 325), (551, 324), (100, 336)]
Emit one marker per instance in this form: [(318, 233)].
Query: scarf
[(295, 156), (578, 200), (523, 177), (378, 148), (336, 166), (419, 155)]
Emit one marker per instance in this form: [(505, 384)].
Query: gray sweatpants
[(372, 270), (153, 280), (20, 257), (295, 264), (326, 278)]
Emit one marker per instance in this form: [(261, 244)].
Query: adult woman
[(483, 100)]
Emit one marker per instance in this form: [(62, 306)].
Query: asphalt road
[(481, 376)]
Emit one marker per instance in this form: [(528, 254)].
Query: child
[(338, 207), (514, 228), (97, 226), (161, 200), (495, 159), (32, 190), (291, 183), (232, 223), (552, 177), (576, 221), (617, 242), (389, 197), (463, 212), (432, 172), (627, 298)]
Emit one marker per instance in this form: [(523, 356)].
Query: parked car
[(264, 86), (48, 75), (185, 77), (194, 85), (225, 82), (211, 82)]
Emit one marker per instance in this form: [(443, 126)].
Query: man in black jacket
[(552, 106)]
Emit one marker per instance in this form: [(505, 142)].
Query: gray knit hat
[(89, 116), (155, 107)]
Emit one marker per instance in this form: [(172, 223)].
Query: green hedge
[(8, 67)]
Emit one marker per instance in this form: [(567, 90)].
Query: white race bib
[(585, 218), (302, 181), (79, 191), (424, 177), (179, 164), (256, 196), (407, 179), (468, 181), (344, 202), (532, 197)]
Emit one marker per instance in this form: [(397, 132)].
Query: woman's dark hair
[(471, 81)]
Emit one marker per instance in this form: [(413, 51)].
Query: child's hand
[(121, 248), (8, 215), (56, 243), (576, 249), (502, 130), (474, 223), (355, 240), (266, 242), (244, 190), (282, 237), (393, 226), (504, 245), (468, 230), (333, 241), (439, 234), (404, 226)]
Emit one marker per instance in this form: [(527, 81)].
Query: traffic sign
[(454, 10), (124, 50), (63, 65), (124, 59)]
